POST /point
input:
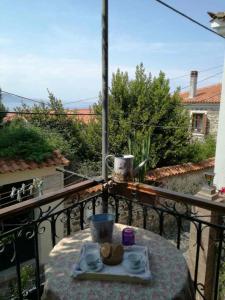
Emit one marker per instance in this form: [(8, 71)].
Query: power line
[(22, 97), (187, 17), (43, 102), (48, 113), (201, 71), (81, 100), (161, 126), (204, 79)]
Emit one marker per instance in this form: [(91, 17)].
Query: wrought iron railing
[(167, 213)]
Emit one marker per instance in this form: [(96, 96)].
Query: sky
[(56, 45)]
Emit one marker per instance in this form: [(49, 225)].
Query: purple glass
[(128, 238)]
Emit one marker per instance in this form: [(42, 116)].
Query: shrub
[(25, 141)]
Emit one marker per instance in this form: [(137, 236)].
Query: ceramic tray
[(119, 272)]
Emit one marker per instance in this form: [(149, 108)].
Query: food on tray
[(112, 254)]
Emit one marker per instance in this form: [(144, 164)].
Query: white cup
[(134, 260), (91, 260)]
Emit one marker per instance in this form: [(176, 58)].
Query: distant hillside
[(11, 102)]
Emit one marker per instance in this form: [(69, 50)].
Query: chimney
[(193, 84)]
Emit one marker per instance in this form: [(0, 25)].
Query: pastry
[(112, 254)]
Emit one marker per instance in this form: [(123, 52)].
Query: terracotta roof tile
[(14, 165), (169, 171), (84, 118), (208, 94)]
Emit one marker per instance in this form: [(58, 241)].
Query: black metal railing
[(170, 219)]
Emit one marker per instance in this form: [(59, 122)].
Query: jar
[(128, 237)]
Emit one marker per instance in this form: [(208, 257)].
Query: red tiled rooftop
[(14, 165), (208, 94), (169, 171), (84, 117)]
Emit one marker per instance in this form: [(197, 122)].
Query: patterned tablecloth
[(171, 278)]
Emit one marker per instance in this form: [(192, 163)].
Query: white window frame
[(202, 112)]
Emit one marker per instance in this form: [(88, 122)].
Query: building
[(17, 172), (203, 105)]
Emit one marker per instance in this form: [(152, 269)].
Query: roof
[(84, 117), (169, 171), (208, 94), (14, 165)]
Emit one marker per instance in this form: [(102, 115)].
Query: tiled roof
[(84, 118), (14, 165), (208, 94), (169, 171)]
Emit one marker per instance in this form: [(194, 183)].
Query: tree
[(2, 108), (143, 108), (69, 127), (25, 141)]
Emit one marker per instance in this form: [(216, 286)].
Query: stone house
[(203, 105)]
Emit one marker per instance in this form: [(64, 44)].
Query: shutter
[(204, 124)]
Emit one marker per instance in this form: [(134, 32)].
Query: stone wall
[(189, 183), (212, 122), (212, 111)]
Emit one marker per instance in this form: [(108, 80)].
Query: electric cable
[(204, 79), (201, 71), (189, 18), (47, 102), (48, 113)]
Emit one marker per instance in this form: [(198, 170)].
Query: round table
[(171, 279)]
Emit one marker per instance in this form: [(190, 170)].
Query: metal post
[(105, 97)]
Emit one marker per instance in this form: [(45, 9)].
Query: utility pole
[(105, 107)]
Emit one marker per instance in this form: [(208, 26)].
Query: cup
[(102, 227), (128, 237), (134, 260), (91, 260)]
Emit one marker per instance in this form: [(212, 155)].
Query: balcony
[(194, 225)]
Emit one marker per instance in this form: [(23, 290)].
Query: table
[(171, 279)]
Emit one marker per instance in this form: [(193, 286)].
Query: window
[(199, 123)]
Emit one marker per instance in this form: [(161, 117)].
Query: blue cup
[(102, 227)]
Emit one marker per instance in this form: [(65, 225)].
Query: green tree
[(26, 141), (143, 108), (69, 127)]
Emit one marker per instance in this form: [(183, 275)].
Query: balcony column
[(207, 250)]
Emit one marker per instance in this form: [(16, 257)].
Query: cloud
[(126, 44), (31, 75)]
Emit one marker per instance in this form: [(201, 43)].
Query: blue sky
[(57, 44)]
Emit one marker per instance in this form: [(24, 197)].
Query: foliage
[(69, 128), (2, 108), (89, 168), (19, 140), (141, 154), (140, 109), (198, 151), (222, 281), (27, 277)]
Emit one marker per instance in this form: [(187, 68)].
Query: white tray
[(118, 272)]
